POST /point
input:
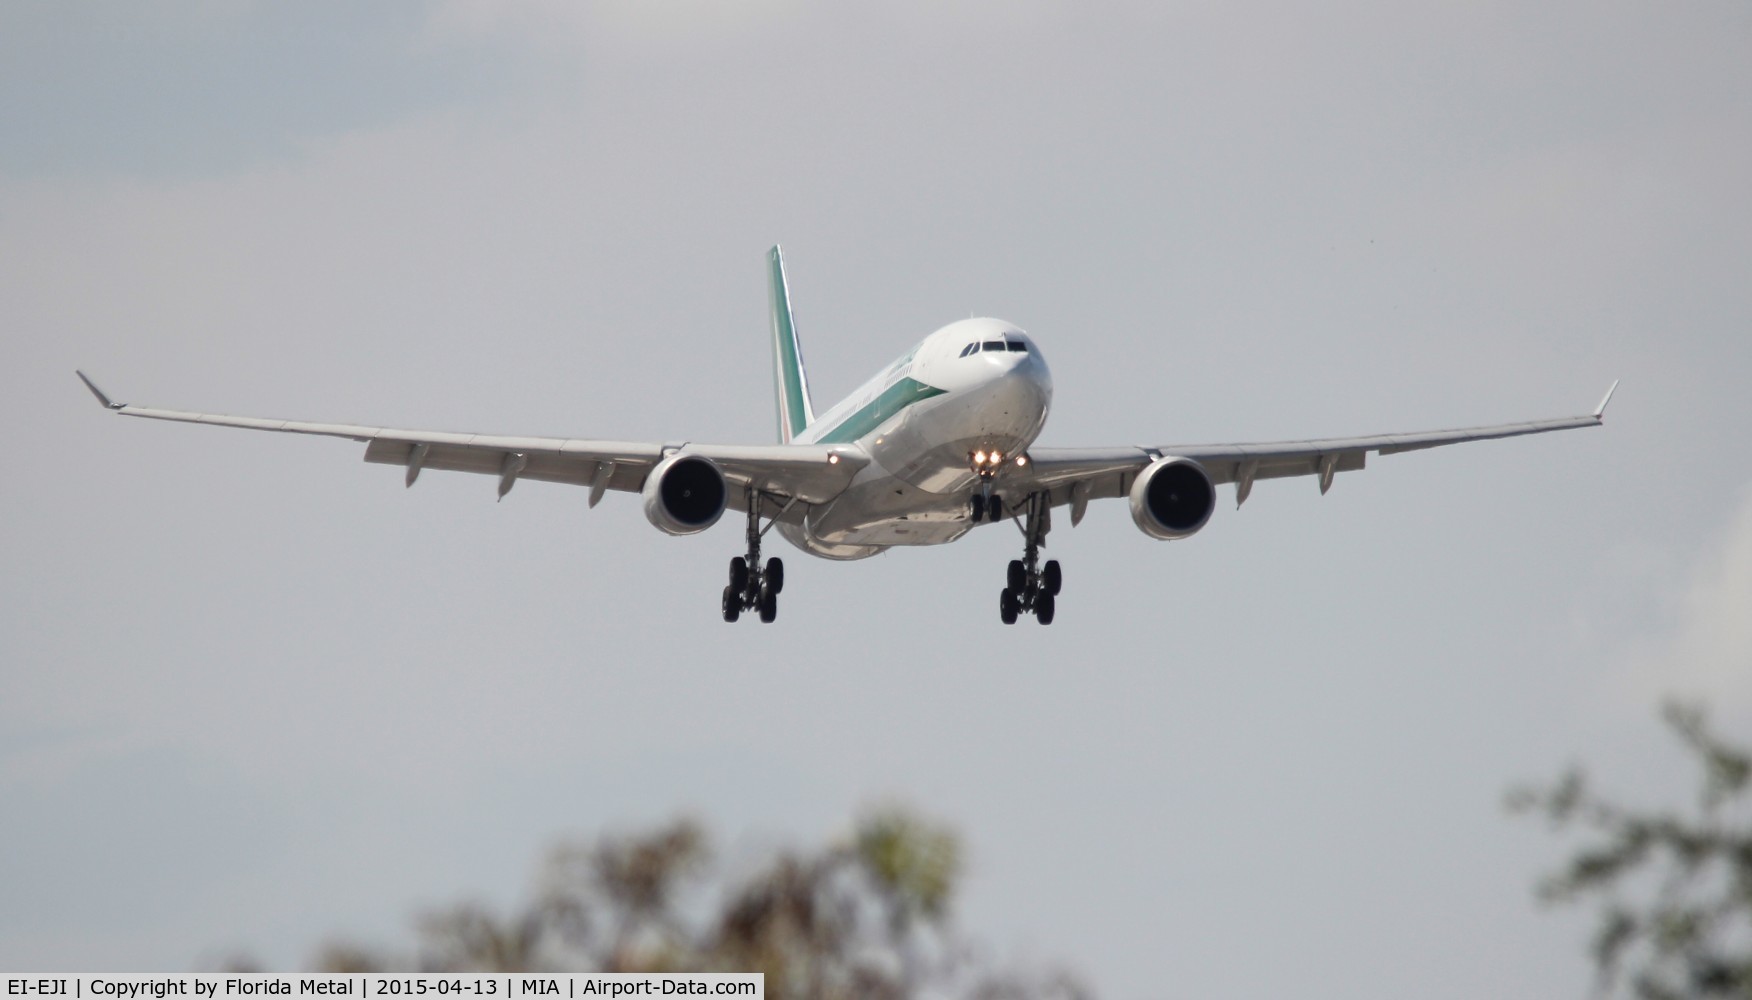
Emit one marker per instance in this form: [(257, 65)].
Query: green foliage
[(866, 919), (913, 864), (1691, 933)]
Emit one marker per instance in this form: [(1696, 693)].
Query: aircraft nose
[(1026, 381), (1010, 361), (1032, 367)]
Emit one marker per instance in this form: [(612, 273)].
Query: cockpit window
[(1012, 346)]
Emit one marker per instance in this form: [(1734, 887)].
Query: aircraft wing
[(1077, 475), (813, 474)]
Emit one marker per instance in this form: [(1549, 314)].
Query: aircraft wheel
[(1051, 578), (1044, 606), (775, 574), (979, 506), (732, 604), (1008, 606), (1017, 577), (768, 605), (739, 574)]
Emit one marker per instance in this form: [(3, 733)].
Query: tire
[(775, 574), (1008, 606), (768, 605), (1051, 577), (1044, 607), (732, 604), (739, 574), (978, 514), (1017, 577)]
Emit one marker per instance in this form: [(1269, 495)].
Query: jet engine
[(685, 494), (1172, 498)]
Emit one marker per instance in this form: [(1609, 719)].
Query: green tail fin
[(790, 382)]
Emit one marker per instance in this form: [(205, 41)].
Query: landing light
[(1021, 459), (832, 459), (979, 458)]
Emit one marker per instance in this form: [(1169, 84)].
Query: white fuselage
[(922, 421)]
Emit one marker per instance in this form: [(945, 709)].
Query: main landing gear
[(752, 587), (1030, 587)]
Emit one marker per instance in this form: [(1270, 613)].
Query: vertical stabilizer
[(790, 382)]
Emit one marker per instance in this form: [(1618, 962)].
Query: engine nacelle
[(685, 494), (1172, 498)]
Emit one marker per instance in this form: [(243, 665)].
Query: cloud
[(1715, 635), (1707, 653)]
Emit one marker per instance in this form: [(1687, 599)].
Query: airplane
[(936, 444)]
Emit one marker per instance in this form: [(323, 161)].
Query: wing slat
[(1107, 471), (813, 474)]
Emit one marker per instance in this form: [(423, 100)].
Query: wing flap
[(545, 464), (811, 473)]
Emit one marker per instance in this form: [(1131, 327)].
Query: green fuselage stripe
[(873, 414)]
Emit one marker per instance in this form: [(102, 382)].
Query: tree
[(1692, 937), (866, 918)]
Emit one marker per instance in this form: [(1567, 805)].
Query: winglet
[(95, 391), (1600, 411)]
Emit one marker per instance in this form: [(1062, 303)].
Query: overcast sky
[(254, 694)]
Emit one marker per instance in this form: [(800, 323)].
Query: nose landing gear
[(1030, 587), (983, 506), (753, 587)]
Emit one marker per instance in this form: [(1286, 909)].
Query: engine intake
[(1172, 498), (685, 494)]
